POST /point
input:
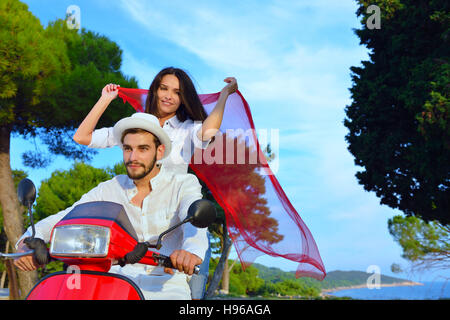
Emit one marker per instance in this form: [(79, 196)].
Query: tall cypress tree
[(398, 121)]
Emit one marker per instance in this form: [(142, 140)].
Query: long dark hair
[(190, 106)]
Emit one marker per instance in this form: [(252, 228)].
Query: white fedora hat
[(147, 122)]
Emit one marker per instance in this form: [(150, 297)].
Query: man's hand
[(26, 263), (183, 261)]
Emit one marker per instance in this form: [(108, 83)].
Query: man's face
[(140, 154)]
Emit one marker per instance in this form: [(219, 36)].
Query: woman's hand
[(231, 87), (110, 91), (212, 123), (83, 135)]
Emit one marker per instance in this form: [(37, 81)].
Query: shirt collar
[(174, 122), (155, 182)]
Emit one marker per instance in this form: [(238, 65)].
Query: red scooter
[(90, 239)]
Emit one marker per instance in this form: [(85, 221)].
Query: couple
[(152, 194)]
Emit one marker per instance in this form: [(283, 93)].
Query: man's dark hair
[(139, 130)]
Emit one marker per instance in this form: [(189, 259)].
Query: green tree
[(241, 282), (249, 280), (398, 121), (49, 79), (425, 244), (64, 188)]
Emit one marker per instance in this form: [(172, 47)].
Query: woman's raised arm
[(83, 135), (212, 123)]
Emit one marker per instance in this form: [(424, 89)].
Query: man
[(154, 199)]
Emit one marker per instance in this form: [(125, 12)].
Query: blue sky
[(291, 60)]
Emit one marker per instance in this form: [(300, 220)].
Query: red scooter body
[(89, 278), (93, 285)]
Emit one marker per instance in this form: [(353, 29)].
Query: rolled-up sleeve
[(103, 138), (194, 136), (195, 240)]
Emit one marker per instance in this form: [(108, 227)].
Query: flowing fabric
[(260, 218)]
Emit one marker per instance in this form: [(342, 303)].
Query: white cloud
[(216, 38), (260, 47), (138, 67)]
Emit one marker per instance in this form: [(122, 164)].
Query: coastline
[(362, 286)]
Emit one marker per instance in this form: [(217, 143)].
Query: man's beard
[(147, 169)]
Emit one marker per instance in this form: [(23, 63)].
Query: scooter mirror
[(201, 213), (26, 192)]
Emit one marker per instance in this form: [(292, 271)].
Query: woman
[(173, 99)]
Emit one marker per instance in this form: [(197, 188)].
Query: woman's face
[(168, 95)]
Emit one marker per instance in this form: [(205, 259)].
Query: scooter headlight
[(80, 241)]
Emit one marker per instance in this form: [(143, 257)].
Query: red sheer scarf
[(260, 218)]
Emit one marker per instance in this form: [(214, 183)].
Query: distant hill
[(334, 279), (359, 277)]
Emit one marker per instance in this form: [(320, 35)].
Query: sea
[(428, 291)]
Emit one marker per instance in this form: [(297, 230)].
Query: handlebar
[(141, 254), (38, 250), (16, 255), (164, 261)]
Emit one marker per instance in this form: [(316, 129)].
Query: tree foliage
[(51, 77), (64, 188), (426, 245), (91, 62), (23, 42), (398, 121)]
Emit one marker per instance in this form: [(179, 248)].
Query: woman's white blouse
[(182, 134)]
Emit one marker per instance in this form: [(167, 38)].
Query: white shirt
[(182, 134), (166, 205)]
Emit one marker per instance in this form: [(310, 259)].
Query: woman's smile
[(166, 103)]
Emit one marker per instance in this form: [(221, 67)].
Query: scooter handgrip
[(137, 254), (40, 250), (166, 262)]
